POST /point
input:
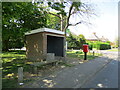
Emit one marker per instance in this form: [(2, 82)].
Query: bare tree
[(68, 9)]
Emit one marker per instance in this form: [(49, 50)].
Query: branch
[(78, 23), (70, 10), (75, 24), (53, 14), (68, 18)]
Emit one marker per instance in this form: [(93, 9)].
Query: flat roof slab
[(44, 30)]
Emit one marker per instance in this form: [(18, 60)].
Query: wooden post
[(20, 74), (93, 53), (35, 69)]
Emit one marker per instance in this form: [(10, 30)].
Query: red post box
[(85, 48)]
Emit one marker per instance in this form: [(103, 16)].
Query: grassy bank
[(80, 55), (10, 63)]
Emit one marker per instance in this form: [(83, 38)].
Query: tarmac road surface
[(108, 76)]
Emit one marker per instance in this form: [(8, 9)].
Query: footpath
[(71, 77)]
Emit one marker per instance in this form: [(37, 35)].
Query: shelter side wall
[(44, 44), (34, 47)]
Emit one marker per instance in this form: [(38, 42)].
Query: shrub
[(90, 47), (99, 45), (79, 52), (104, 47)]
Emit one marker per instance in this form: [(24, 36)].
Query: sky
[(104, 24)]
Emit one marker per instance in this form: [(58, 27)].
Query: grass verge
[(80, 55), (11, 61), (115, 50)]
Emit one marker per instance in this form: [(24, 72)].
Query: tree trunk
[(66, 26), (5, 45), (61, 22)]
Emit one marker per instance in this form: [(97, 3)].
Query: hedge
[(104, 47), (99, 45)]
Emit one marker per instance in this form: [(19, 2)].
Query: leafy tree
[(81, 40), (75, 41), (53, 22), (71, 39), (17, 18)]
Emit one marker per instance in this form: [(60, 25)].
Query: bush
[(104, 47), (90, 47), (79, 52), (74, 48), (109, 46), (99, 45)]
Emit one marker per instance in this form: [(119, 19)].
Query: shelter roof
[(44, 30)]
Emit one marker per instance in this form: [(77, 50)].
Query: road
[(108, 76)]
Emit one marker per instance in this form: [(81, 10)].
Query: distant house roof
[(103, 39), (44, 30), (93, 37)]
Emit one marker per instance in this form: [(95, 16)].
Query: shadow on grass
[(11, 62), (10, 83)]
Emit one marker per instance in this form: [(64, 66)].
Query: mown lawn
[(10, 63), (80, 55)]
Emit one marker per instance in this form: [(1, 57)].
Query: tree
[(71, 39), (81, 40), (53, 22), (73, 8), (75, 41), (17, 18), (79, 9)]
